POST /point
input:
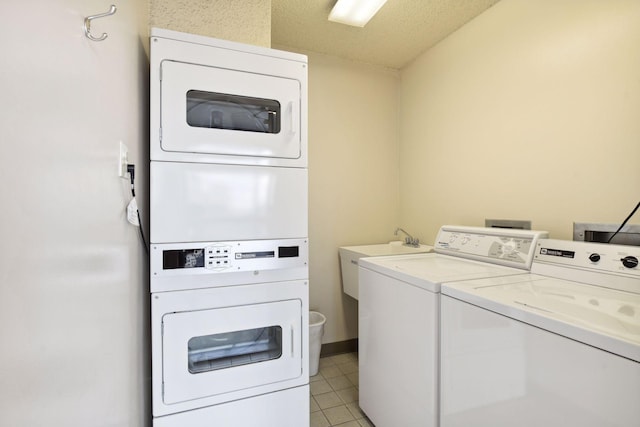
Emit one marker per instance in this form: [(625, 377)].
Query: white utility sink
[(349, 256)]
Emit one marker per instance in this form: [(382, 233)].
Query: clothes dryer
[(399, 316), (224, 344), (228, 233), (557, 347)]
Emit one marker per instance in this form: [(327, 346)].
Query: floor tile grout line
[(340, 374)]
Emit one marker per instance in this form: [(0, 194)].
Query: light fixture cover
[(355, 12)]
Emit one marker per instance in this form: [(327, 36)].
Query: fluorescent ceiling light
[(355, 12)]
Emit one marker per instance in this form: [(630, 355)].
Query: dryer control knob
[(594, 257), (630, 261)]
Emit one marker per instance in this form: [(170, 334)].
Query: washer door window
[(212, 352), (211, 110)]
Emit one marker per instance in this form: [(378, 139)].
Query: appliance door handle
[(292, 345), (293, 116)]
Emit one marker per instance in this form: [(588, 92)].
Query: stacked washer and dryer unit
[(229, 247)]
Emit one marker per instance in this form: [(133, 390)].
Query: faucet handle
[(410, 241)]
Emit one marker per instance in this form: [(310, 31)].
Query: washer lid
[(429, 271), (605, 318)]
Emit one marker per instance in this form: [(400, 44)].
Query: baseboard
[(333, 348)]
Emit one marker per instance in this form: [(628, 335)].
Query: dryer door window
[(213, 110), (231, 349)]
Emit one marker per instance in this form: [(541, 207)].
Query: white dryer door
[(213, 110), (212, 352)]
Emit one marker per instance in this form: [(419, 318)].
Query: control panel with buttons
[(509, 247), (220, 257), (589, 256)]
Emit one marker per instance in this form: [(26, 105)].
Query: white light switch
[(123, 160)]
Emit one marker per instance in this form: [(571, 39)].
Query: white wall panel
[(72, 271)]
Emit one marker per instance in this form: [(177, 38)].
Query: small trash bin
[(316, 331)]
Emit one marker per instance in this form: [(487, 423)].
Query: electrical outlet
[(123, 160)]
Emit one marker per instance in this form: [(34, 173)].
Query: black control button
[(630, 261), (594, 257)]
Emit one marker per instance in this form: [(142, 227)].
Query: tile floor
[(334, 393)]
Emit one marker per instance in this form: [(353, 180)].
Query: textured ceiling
[(400, 31)]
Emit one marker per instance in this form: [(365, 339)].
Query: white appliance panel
[(593, 263), (226, 309), (189, 260), (398, 357), (178, 135), (499, 372), (512, 248), (273, 74), (286, 408), (193, 202), (222, 264), (181, 384)]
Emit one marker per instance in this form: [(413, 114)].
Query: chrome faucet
[(409, 240)]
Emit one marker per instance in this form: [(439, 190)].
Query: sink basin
[(349, 256), (384, 249)]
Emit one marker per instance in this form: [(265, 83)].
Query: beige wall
[(353, 175), (528, 112), (246, 21)]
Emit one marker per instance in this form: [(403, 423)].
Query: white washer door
[(211, 352)]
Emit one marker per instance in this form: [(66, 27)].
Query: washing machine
[(557, 347), (399, 312)]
